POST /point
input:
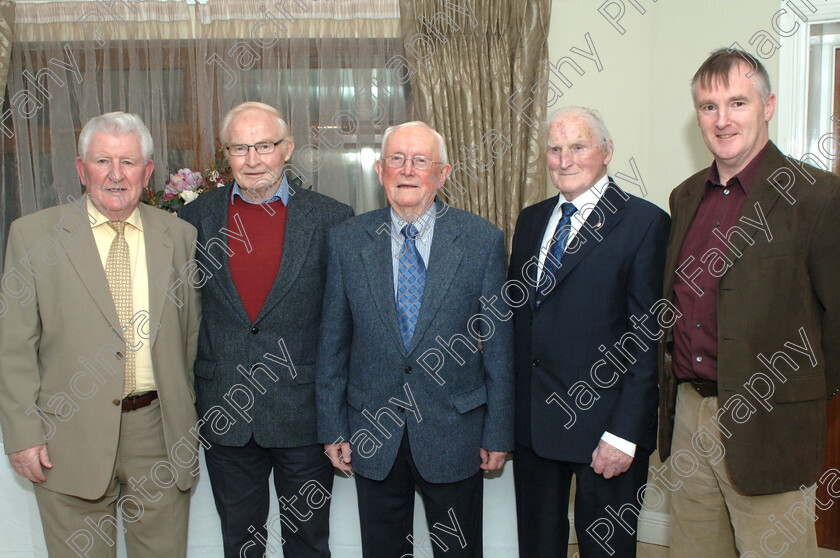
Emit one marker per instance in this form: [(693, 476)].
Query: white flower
[(188, 196)]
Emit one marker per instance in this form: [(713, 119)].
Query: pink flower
[(183, 180)]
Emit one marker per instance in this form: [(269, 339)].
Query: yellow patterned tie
[(118, 272)]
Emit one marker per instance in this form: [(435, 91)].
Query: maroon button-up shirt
[(695, 333)]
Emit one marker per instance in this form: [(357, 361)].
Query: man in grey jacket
[(261, 255), (415, 365)]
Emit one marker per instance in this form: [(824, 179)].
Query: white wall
[(642, 90)]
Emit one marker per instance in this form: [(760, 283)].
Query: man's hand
[(609, 461), (27, 463), (339, 454), (492, 460)]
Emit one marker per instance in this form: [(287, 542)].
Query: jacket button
[(536, 362), (401, 409), (255, 330), (116, 402), (407, 370), (119, 355)]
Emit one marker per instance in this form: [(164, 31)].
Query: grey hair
[(442, 156), (591, 117), (116, 123), (253, 105)]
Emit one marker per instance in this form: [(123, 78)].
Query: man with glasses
[(585, 346), (263, 250), (415, 372)]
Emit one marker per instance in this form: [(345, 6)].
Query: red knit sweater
[(254, 272)]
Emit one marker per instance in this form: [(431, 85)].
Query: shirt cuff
[(620, 444)]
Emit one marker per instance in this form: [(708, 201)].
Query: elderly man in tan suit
[(97, 340)]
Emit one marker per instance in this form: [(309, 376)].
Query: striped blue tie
[(412, 276), (555, 251)]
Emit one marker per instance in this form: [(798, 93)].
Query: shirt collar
[(423, 224), (589, 199), (99, 219), (744, 179), (282, 193)]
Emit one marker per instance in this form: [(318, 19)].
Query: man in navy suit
[(415, 367), (591, 261), (263, 247)]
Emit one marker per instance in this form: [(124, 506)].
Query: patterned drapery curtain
[(475, 67)]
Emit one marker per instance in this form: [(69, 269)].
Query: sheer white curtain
[(69, 63), (327, 65)]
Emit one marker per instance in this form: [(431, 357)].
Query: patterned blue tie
[(412, 276), (555, 251)]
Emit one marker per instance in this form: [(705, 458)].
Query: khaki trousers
[(709, 516), (155, 512)]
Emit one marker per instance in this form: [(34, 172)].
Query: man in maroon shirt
[(752, 357)]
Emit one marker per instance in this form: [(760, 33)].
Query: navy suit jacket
[(452, 398), (569, 390), (257, 379)]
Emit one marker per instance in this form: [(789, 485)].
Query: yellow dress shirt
[(104, 235)]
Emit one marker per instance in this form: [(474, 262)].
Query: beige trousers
[(709, 516), (155, 512)]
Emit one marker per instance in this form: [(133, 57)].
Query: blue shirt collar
[(282, 193)]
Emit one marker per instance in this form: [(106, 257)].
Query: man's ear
[(80, 168), (770, 107), (289, 147), (147, 174)]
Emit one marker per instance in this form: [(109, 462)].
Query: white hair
[(592, 118), (117, 123), (253, 105), (442, 156)]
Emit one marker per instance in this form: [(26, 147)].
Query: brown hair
[(718, 66)]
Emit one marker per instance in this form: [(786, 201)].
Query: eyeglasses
[(397, 161), (263, 148)]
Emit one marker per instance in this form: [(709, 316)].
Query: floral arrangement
[(186, 185)]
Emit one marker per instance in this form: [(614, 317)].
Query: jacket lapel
[(159, 251), (535, 238), (296, 241), (600, 222), (376, 257), (212, 223), (682, 214), (762, 197), (444, 259), (84, 257)]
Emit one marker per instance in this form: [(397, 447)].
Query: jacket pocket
[(468, 400), (304, 373), (204, 368), (355, 397), (801, 388)]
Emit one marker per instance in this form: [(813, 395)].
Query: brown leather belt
[(134, 402), (706, 388)]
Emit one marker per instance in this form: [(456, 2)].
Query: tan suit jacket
[(61, 370), (773, 423)]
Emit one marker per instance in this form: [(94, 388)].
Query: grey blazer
[(256, 379), (452, 398)]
